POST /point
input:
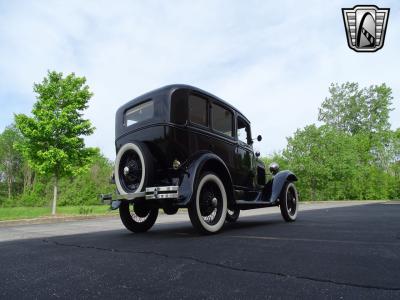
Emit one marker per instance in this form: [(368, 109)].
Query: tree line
[(352, 153), (20, 185)]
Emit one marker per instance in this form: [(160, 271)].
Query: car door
[(244, 156), (222, 136)]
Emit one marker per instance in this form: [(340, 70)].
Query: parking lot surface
[(344, 250)]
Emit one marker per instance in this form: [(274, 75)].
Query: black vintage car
[(181, 147)]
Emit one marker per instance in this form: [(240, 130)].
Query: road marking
[(313, 240)]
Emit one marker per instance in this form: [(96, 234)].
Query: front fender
[(277, 183), (191, 171)]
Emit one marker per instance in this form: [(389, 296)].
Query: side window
[(243, 131), (197, 110), (222, 119)]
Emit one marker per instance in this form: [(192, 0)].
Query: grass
[(15, 213)]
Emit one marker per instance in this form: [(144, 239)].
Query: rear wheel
[(137, 217), (288, 202), (207, 211)]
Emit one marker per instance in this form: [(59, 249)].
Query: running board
[(256, 202), (243, 204)]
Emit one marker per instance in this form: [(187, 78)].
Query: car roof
[(169, 89)]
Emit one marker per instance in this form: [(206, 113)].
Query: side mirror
[(257, 153), (259, 138), (274, 168)]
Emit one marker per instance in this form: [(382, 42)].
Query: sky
[(273, 60)]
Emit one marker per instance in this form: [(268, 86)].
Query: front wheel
[(137, 218), (207, 211), (288, 202)]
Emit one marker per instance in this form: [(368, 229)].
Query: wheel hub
[(214, 202), (126, 171), (208, 203)]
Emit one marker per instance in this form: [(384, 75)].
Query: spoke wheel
[(139, 217), (288, 202), (208, 210), (130, 171), (133, 168)]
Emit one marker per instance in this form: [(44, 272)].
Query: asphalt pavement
[(345, 250)]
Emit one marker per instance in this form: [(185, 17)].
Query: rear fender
[(192, 169)]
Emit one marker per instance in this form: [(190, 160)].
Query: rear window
[(222, 119), (197, 110), (139, 113)]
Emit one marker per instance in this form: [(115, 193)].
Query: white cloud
[(274, 61)]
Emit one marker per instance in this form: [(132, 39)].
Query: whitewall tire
[(208, 209), (121, 171), (289, 202)]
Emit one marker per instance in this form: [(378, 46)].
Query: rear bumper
[(150, 194)]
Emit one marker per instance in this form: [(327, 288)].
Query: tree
[(354, 154), (11, 160), (53, 137), (356, 110), (310, 156), (333, 164)]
